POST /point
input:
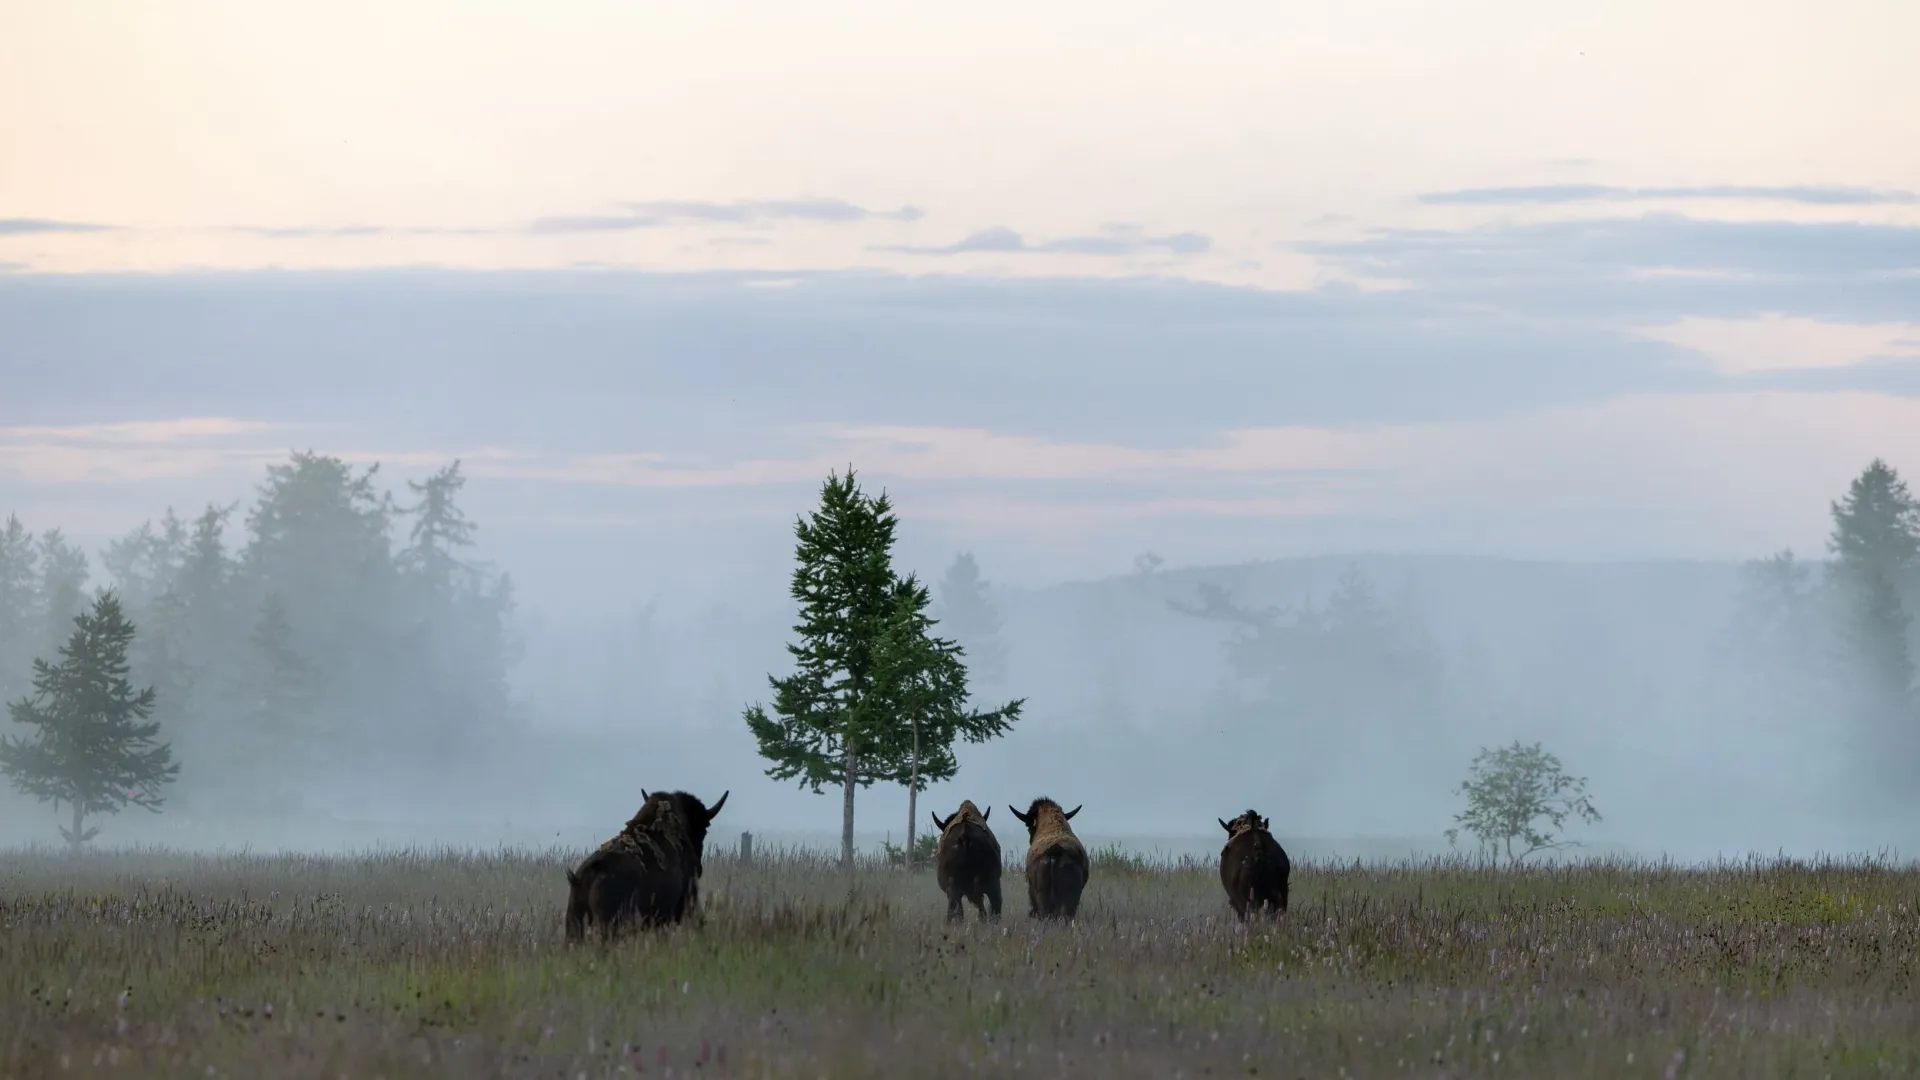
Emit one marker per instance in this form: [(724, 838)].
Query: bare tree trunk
[(851, 763), (78, 837), (913, 792)]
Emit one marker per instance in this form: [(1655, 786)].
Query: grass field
[(159, 965)]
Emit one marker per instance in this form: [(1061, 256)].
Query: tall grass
[(451, 963)]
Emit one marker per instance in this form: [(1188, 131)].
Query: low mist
[(341, 665)]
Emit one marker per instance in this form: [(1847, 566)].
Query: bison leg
[(577, 910), (993, 899), (954, 910)]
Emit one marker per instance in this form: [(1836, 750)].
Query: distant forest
[(340, 631), (337, 630)]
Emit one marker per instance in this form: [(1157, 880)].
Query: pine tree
[(967, 611), (20, 619), (922, 680), (439, 528), (144, 563), (63, 584), (831, 723), (1876, 544), (94, 749), (459, 611)]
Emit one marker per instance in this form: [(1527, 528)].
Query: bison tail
[(1064, 878)]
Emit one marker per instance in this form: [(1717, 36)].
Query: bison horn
[(987, 813), (1074, 811), (644, 796), (1223, 824), (937, 823), (1024, 819), (715, 812)]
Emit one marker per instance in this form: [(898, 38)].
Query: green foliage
[(829, 718), (874, 696), (831, 723), (921, 681), (1111, 858), (94, 747), (925, 846), (1520, 795)]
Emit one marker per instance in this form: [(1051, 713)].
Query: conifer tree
[(923, 680), (20, 621), (1876, 544), (967, 612), (63, 584), (94, 747), (831, 724)]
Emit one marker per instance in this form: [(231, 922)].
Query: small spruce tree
[(94, 749), (923, 682)]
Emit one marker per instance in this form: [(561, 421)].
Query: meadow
[(155, 964)]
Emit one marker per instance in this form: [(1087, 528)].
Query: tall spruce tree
[(63, 587), (832, 723), (1876, 547), (20, 619), (94, 748), (440, 528), (923, 681), (966, 610)]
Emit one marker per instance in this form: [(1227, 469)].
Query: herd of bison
[(649, 873)]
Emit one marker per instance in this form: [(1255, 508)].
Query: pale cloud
[(1113, 239), (1778, 342), (215, 448), (929, 454), (141, 431), (52, 463), (38, 226), (1559, 194)]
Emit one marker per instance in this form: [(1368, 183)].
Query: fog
[(407, 694)]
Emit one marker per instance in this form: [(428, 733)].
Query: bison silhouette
[(967, 863), (649, 873), (1253, 866), (1057, 864)]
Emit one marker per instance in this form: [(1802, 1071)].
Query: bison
[(1056, 862), (648, 873), (967, 862), (1253, 866)]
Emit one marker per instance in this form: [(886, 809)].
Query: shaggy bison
[(967, 862), (1056, 862), (1253, 866), (649, 872)]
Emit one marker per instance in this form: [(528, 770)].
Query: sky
[(1072, 281)]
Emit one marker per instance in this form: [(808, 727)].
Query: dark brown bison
[(1253, 866), (649, 873), (1057, 864), (967, 862)]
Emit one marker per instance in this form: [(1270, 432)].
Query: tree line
[(1825, 650), (340, 625)]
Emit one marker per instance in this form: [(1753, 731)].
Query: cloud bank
[(1561, 194), (1112, 240)]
